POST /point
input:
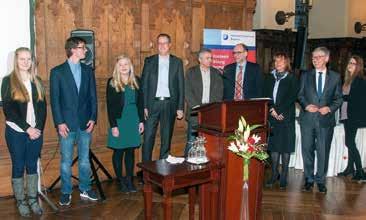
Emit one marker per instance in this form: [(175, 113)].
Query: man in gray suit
[(320, 96), (203, 84)]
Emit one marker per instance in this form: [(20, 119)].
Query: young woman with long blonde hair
[(24, 106)]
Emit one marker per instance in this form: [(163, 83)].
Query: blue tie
[(320, 83)]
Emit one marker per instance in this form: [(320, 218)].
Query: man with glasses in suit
[(242, 79), (320, 96)]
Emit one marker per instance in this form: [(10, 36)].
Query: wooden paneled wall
[(120, 26)]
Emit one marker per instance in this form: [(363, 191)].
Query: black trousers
[(319, 139), (163, 113), (353, 153)]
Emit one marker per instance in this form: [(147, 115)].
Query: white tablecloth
[(338, 152)]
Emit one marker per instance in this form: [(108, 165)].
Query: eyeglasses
[(317, 57), (237, 52)]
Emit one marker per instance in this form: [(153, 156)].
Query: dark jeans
[(127, 155), (353, 153), (24, 152)]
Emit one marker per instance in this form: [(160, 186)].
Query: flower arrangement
[(246, 146)]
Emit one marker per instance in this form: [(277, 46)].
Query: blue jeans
[(24, 152), (83, 139)]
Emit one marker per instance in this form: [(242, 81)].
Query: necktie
[(320, 83), (279, 75), (238, 84)]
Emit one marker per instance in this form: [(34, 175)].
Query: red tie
[(238, 84)]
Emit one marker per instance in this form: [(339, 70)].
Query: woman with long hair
[(353, 114), (125, 114), (281, 86), (24, 106)]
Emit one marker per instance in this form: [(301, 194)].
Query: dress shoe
[(140, 178), (308, 187), (283, 184), (359, 175), (346, 172), (363, 179), (272, 181), (322, 188)]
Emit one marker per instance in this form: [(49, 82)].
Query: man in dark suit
[(203, 84), (74, 110), (320, 96), (242, 79), (163, 92)]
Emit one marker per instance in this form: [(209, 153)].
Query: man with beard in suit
[(242, 79)]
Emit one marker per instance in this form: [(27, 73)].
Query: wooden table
[(170, 177)]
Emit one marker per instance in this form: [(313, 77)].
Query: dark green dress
[(128, 124)]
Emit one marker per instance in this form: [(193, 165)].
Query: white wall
[(15, 32), (265, 12), (356, 12), (327, 19)]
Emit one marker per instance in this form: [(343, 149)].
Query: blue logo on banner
[(225, 36)]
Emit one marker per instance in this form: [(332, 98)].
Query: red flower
[(250, 149), (251, 141)]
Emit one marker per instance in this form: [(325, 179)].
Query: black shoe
[(363, 179), (308, 187), (283, 184), (140, 178), (272, 181), (346, 172), (123, 185), (322, 188), (359, 175), (130, 186)]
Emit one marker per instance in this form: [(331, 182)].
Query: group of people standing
[(137, 106)]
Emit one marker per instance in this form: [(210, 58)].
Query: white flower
[(233, 147), (243, 147), (241, 126), (246, 134), (256, 138)]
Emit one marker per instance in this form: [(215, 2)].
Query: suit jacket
[(356, 106), (68, 105), (194, 88), (116, 102), (285, 98), (150, 74), (253, 80), (16, 111), (331, 97)]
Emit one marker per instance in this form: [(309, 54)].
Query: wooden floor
[(345, 200)]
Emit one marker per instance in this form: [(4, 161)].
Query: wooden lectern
[(216, 122)]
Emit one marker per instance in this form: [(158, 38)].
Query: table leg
[(204, 201), (214, 195), (167, 205), (148, 200), (192, 201)]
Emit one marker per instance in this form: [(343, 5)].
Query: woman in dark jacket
[(281, 86), (24, 106), (353, 114), (125, 114)]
